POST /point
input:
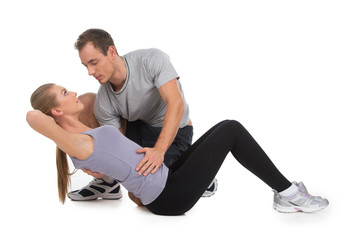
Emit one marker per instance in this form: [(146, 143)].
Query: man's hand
[(94, 174), (152, 160)]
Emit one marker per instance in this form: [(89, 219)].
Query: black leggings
[(192, 173)]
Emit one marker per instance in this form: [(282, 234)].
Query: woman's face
[(67, 101)]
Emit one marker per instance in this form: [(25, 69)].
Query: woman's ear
[(56, 112)]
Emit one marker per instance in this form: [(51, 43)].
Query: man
[(140, 94)]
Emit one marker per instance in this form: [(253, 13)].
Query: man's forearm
[(123, 126), (171, 122)]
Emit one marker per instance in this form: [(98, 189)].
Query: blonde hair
[(44, 101)]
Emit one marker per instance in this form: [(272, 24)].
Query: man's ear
[(56, 112), (112, 52)]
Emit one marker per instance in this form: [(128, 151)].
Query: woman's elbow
[(35, 118), (31, 117)]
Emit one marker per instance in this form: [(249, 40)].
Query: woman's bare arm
[(70, 143)]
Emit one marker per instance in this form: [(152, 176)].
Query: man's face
[(99, 66)]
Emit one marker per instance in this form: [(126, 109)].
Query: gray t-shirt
[(139, 98), (115, 156)]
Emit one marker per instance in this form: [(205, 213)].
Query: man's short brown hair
[(98, 37)]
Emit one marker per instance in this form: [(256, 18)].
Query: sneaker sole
[(282, 209), (111, 198), (93, 198)]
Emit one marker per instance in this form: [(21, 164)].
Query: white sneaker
[(97, 188), (301, 201)]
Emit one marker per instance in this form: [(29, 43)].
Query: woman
[(170, 191)]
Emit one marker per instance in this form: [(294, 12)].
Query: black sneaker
[(211, 190)]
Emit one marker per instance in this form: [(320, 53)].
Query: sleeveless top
[(115, 156)]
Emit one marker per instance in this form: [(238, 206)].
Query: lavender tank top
[(115, 156)]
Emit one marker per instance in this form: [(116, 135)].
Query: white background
[(287, 70)]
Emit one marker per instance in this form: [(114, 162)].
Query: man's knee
[(88, 100), (87, 115)]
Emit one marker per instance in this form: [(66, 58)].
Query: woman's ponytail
[(63, 174), (44, 101)]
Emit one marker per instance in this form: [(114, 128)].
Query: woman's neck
[(72, 125)]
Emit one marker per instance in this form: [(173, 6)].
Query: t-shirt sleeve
[(160, 68), (105, 115)]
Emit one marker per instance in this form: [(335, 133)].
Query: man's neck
[(120, 75)]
